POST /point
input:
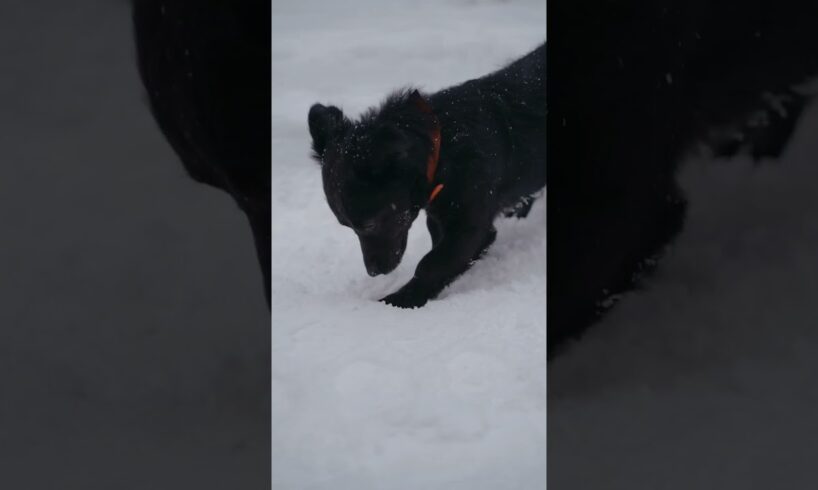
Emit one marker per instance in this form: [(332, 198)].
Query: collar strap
[(431, 164), (434, 135)]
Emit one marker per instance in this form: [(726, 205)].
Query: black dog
[(464, 154), (633, 86), (205, 65)]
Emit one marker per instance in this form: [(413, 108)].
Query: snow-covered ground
[(366, 396), (706, 379)]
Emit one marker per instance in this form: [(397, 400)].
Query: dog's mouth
[(374, 271), (382, 255)]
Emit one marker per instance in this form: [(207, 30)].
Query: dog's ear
[(324, 124), (420, 102), (422, 105)]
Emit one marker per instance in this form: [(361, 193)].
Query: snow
[(705, 378), (366, 396)]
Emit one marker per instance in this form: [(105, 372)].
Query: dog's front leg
[(454, 253)]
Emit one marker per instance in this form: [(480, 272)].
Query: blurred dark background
[(134, 335)]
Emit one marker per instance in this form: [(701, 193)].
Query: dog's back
[(502, 115), (656, 76), (635, 85)]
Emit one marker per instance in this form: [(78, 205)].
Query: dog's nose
[(373, 268)]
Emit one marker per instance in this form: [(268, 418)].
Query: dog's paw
[(406, 297)]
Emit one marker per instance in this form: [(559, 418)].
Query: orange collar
[(431, 164)]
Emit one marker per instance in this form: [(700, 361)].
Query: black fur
[(492, 157), (633, 85), (205, 65)]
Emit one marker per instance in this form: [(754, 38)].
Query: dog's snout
[(378, 264), (381, 256)]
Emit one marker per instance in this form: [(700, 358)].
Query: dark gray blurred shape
[(205, 65), (134, 339)]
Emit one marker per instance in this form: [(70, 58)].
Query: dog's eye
[(369, 226)]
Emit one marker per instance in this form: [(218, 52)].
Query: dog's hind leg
[(770, 140), (522, 208), (767, 133)]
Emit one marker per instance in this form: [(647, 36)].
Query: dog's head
[(374, 172)]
